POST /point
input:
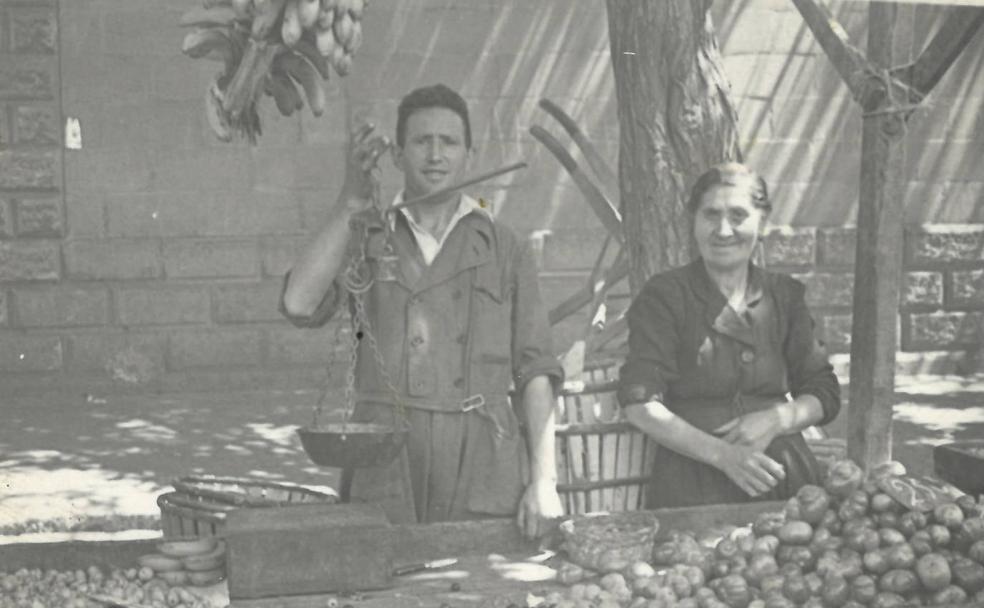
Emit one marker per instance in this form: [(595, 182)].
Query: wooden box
[(962, 464), (307, 549)]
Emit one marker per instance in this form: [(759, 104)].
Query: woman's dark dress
[(690, 350)]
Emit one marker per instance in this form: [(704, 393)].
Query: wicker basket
[(607, 543), (200, 504)]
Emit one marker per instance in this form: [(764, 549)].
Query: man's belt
[(440, 403), (446, 404)]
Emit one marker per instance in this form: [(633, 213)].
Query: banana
[(326, 43), (310, 80), (208, 42), (291, 29), (357, 8), (284, 93), (204, 579), (309, 11), (344, 64), (355, 40), (326, 15), (184, 548), (215, 115), (206, 17), (160, 563), (243, 8), (308, 49), (198, 563), (267, 14), (343, 28), (175, 578)]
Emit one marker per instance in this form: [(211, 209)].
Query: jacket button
[(416, 341), (747, 356), (459, 382), (456, 294), (461, 338)]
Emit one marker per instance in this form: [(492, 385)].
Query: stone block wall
[(32, 222), (941, 299)]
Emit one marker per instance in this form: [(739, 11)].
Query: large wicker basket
[(200, 504), (610, 542)]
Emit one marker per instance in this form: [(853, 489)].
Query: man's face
[(434, 154)]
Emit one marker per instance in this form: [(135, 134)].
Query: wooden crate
[(603, 462)]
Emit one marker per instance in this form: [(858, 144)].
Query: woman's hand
[(540, 503), (364, 149), (749, 468), (756, 429)]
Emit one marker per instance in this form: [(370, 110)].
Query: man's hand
[(539, 504), (364, 149), (757, 429)]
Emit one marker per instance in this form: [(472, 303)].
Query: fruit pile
[(277, 47), (198, 562), (50, 589), (848, 544)]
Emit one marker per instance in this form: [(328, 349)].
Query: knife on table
[(421, 566)]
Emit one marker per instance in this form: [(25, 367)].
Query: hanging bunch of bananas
[(282, 48)]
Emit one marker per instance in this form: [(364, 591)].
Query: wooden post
[(878, 263)]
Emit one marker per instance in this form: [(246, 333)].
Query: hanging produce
[(281, 48)]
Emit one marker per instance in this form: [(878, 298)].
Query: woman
[(716, 348)]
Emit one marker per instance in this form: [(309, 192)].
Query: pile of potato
[(56, 589), (848, 544)]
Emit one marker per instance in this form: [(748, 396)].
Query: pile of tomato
[(847, 544)]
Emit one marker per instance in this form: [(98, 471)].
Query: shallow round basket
[(608, 543), (352, 444), (240, 491), (186, 517)]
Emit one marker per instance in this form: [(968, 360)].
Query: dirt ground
[(66, 458)]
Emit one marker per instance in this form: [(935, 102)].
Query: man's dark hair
[(434, 96)]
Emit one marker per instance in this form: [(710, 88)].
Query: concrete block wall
[(150, 259)]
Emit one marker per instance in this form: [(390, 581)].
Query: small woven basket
[(200, 503), (607, 542)]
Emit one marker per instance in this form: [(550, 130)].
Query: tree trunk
[(675, 117)]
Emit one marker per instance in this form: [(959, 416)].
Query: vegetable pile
[(848, 544), (159, 580), (49, 589), (277, 47)]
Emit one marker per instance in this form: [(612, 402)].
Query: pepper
[(933, 571), (887, 599), (796, 589), (813, 503), (864, 589), (968, 574), (734, 591), (951, 596), (843, 478), (976, 551), (836, 591), (898, 581), (795, 533)]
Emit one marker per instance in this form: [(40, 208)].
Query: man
[(456, 320)]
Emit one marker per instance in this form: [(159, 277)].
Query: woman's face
[(727, 226)]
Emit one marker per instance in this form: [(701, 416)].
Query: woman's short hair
[(433, 96), (730, 174)]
